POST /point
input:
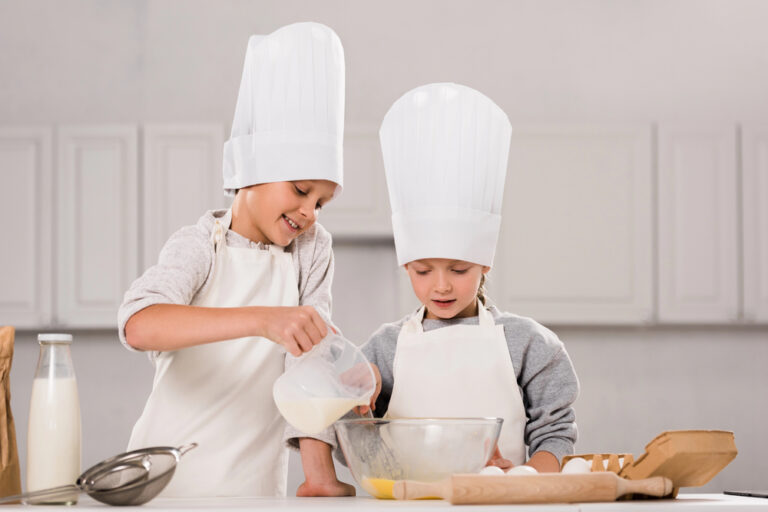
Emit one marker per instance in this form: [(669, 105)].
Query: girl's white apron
[(459, 371), (219, 395)]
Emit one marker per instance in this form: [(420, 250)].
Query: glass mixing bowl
[(380, 451)]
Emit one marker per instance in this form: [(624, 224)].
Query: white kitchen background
[(635, 218)]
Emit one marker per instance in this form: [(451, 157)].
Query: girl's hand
[(297, 329), (499, 461), (362, 410)]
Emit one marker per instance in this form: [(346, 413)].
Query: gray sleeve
[(380, 350), (315, 255), (182, 268), (550, 387)]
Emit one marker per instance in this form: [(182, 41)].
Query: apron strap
[(413, 324), (485, 318), (220, 227)]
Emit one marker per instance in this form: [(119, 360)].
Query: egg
[(491, 470), (522, 470), (576, 466)]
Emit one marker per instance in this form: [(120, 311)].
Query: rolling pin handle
[(658, 486), (413, 490)]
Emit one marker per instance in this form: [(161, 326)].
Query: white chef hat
[(445, 150), (289, 118)]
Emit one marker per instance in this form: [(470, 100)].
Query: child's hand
[(319, 471), (499, 461), (333, 488), (297, 329), (362, 410)]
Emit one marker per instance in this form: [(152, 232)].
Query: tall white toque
[(289, 118), (445, 150)]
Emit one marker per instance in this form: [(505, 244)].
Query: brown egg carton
[(612, 462), (690, 458)]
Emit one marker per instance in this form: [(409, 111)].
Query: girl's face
[(447, 288), (276, 213)]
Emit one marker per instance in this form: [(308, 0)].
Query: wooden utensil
[(545, 488)]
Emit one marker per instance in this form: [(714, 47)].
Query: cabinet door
[(755, 215), (576, 238), (362, 210), (97, 222), (698, 232), (182, 179), (25, 207)]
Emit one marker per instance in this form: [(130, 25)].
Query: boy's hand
[(499, 461), (319, 471), (362, 410), (297, 328), (333, 488)]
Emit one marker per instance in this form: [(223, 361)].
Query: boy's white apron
[(219, 395), (459, 371)]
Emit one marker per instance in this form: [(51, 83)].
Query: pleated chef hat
[(445, 150), (289, 118)]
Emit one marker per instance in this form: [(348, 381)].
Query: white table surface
[(684, 502)]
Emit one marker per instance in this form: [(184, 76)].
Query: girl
[(230, 295), (445, 150)]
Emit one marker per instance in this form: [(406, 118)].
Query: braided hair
[(481, 290)]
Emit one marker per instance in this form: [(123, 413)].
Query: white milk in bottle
[(53, 439)]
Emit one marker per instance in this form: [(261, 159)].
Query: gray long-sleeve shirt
[(545, 377), (187, 261)]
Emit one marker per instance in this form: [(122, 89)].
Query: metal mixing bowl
[(380, 451)]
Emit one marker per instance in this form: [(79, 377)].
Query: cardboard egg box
[(690, 458)]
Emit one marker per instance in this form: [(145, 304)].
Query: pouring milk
[(323, 385)]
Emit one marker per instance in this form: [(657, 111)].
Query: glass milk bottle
[(53, 440)]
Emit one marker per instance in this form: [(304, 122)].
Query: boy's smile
[(294, 226)]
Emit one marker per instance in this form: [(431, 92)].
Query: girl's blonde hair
[(481, 290)]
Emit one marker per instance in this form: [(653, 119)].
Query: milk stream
[(53, 439), (312, 415)]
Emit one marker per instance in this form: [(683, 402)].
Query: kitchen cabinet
[(181, 179), (698, 224), (25, 207), (97, 222), (754, 151), (362, 210), (588, 211), (576, 237)]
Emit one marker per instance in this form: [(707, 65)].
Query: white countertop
[(686, 502)]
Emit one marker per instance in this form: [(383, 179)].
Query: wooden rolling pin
[(544, 488)]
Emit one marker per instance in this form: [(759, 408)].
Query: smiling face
[(276, 213), (448, 288)]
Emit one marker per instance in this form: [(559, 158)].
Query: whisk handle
[(43, 493)]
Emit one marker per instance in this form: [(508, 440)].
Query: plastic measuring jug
[(324, 384)]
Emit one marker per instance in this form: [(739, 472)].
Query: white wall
[(180, 61)]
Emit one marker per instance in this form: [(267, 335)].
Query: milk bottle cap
[(55, 338)]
